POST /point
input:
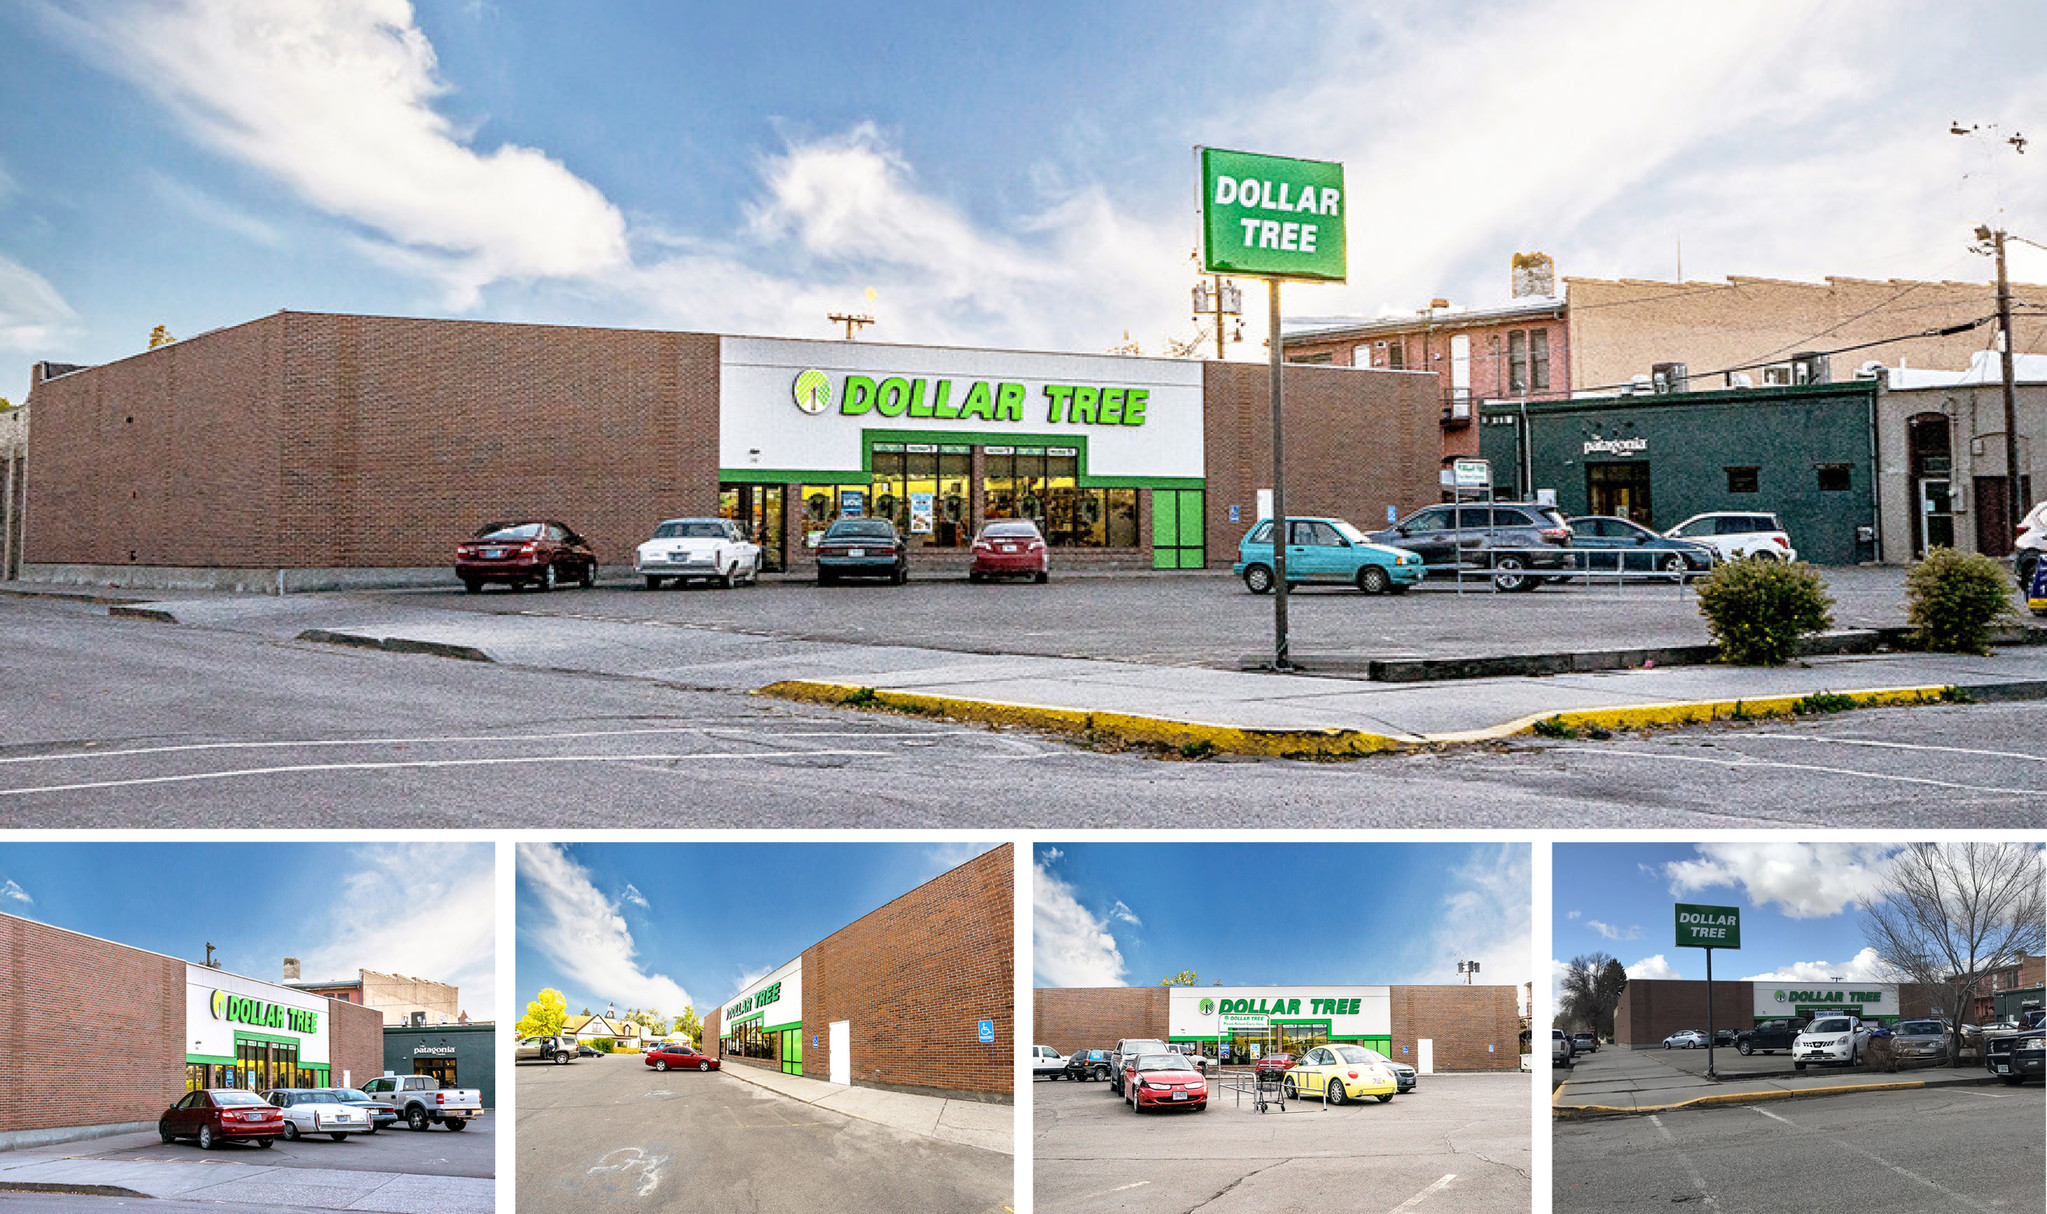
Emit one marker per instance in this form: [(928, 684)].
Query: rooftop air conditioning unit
[(1811, 368), (1670, 377), (418, 1020), (1457, 412)]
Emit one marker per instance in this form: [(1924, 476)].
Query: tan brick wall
[(397, 996), (1357, 442), (65, 1001), (915, 978), (1460, 1021), (355, 1042), (1097, 1017)]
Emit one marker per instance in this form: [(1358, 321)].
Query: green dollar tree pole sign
[(1274, 218), (1708, 927)]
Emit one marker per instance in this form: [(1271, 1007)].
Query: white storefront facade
[(243, 1033), (1241, 1024), (1868, 1000), (765, 1020)]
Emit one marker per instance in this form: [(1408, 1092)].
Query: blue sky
[(1800, 906), (1020, 177), (426, 909), (1268, 913), (666, 925)]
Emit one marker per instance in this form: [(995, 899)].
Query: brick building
[(459, 1055), (401, 999), (1652, 1009), (916, 996), (1434, 1028), (66, 999), (13, 487), (308, 450)]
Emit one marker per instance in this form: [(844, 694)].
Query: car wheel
[(165, 1134), (457, 1124), (1510, 574), (471, 586), (338, 1137), (653, 583), (1762, 554), (1258, 579), (2012, 1081), (975, 575), (703, 1066), (1745, 1048), (205, 1137), (1288, 1090), (1798, 1066), (560, 1058), (1043, 576), (825, 578), (415, 1118), (727, 578), (1676, 567), (1386, 1099), (1373, 579), (548, 579), (589, 579), (291, 1131), (660, 1066), (266, 1143), (1335, 1092)]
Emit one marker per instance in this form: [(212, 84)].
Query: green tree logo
[(813, 392), (220, 1005), (1780, 996), (1208, 1007)]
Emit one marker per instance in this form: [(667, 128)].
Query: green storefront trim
[(214, 1059), (781, 1028), (871, 439)]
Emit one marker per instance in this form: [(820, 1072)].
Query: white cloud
[(435, 918), (1631, 932), (33, 316), (209, 209), (749, 977), (1483, 916), (14, 893), (1124, 913), (1864, 966), (1650, 968), (942, 858), (1050, 854), (1069, 946), (335, 98), (582, 931), (633, 895), (1573, 914), (1805, 880)]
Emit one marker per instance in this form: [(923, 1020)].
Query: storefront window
[(928, 491)]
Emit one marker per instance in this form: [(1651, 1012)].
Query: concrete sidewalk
[(241, 1180), (1615, 1082), (973, 1123)]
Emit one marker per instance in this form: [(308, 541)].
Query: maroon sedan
[(680, 1058), (1010, 547), (217, 1114), (541, 554), (1271, 1064), (1163, 1080)]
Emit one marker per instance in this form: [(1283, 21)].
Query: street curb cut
[(438, 649), (82, 1190), (156, 614), (1575, 1112), (1314, 743)]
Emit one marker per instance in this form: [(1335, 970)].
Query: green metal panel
[(1193, 518)]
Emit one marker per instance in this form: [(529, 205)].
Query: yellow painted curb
[(1566, 1112), (1309, 743)]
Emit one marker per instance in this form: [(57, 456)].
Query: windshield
[(1836, 1024), (351, 1094), (1702, 526), (1024, 531), (1163, 1062), (690, 529), (511, 531), (1349, 532), (316, 1098), (1921, 1028), (237, 1098), (861, 528)]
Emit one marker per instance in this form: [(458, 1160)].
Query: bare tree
[(1591, 990), (1946, 914)]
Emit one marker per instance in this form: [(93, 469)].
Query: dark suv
[(1083, 1065), (1512, 539), (1769, 1036)]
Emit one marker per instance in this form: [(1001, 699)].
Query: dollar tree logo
[(1780, 996), (813, 392), (220, 1005), (1208, 1007)]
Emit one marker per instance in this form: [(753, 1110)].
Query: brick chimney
[(291, 969)]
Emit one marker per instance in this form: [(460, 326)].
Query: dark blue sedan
[(1604, 545)]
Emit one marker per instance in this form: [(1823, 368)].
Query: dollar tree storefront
[(764, 1022), (1239, 1026), (248, 1034)]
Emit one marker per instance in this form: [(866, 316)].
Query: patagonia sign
[(759, 999), (1615, 446), (971, 400), (243, 1010)]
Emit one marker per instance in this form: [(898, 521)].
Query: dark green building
[(459, 1055), (1803, 453)]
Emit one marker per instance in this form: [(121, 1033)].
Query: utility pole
[(1281, 660), (1218, 297), (2014, 500)]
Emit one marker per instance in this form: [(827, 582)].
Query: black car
[(1513, 540), (1769, 1036), (1619, 547), (1088, 1064), (2015, 1056), (862, 547), (584, 1051)]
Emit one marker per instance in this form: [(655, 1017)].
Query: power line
[(1944, 331)]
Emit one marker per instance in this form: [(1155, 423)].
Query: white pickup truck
[(1830, 1039), (421, 1101)]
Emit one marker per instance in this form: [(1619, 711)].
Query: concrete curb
[(82, 1190), (465, 653), (1573, 1112), (155, 614), (1193, 737)]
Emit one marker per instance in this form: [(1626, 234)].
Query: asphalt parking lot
[(612, 1134), (1901, 1152), (1458, 1143), (437, 1151)]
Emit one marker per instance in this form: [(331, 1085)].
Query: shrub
[(1953, 599), (603, 1045), (1759, 611)]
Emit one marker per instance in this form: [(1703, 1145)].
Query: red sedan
[(1010, 547), (1271, 1063), (1162, 1080), (218, 1114), (680, 1058), (542, 554)]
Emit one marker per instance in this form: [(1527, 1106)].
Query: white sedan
[(713, 549), (319, 1111), (1685, 1039)]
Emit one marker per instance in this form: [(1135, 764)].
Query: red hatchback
[(217, 1114), (541, 554), (1010, 547), (1152, 1081), (680, 1058)]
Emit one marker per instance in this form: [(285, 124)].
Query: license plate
[(493, 554), (1008, 547), (1179, 1095), (856, 552), (2003, 1069)]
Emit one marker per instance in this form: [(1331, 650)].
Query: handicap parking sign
[(988, 1031)]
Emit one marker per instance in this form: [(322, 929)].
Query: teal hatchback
[(1326, 551)]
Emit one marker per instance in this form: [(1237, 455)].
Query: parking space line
[(414, 764), (1422, 1196), (1807, 767), (1880, 1161), (1691, 1169), (1946, 750)]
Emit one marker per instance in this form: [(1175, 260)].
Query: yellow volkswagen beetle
[(1349, 1072)]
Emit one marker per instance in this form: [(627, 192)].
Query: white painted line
[(490, 739), (1691, 1169), (1766, 763), (1120, 1188), (1881, 1162), (1946, 750), (304, 768), (1418, 1198)]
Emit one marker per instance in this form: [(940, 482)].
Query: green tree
[(1183, 978), (160, 336), (687, 1025), (544, 1016), (5, 404)]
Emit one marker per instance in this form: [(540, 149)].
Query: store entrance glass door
[(1619, 489), (758, 511), (792, 1051), (442, 1069)]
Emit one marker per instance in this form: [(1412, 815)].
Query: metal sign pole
[(1280, 659), (1710, 1072)]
